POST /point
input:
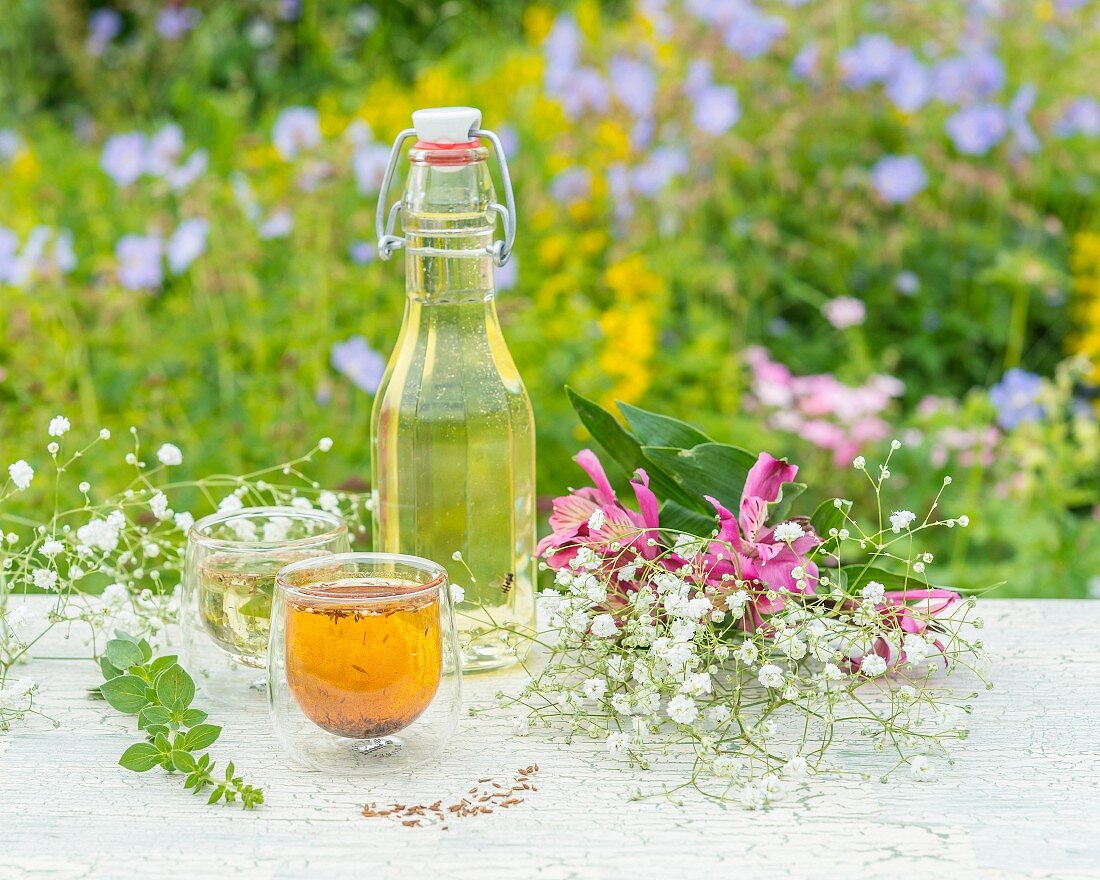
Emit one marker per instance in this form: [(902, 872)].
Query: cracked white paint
[(1021, 800)]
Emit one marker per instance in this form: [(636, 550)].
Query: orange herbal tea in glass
[(363, 669)]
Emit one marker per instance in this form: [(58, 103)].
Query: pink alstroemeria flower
[(570, 518), (754, 540)]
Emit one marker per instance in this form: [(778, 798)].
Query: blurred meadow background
[(808, 226)]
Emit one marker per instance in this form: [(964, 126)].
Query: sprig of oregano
[(159, 691)]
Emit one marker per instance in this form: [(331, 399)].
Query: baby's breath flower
[(770, 676), (458, 594), (597, 519), (53, 448), (44, 578), (51, 548), (603, 626), (872, 665), (874, 591), (859, 462), (788, 531), (84, 487), (104, 434), (901, 519), (21, 474), (921, 768), (169, 454), (682, 709), (59, 425), (324, 444)]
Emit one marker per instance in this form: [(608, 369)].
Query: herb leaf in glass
[(232, 559), (363, 662)]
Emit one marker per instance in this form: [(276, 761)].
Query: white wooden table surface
[(1023, 799)]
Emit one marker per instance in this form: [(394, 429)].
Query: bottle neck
[(448, 227)]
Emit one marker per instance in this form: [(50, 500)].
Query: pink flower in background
[(820, 408), (844, 312)]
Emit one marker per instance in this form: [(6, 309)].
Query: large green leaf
[(780, 509), (716, 469), (824, 519), (175, 688), (860, 574), (654, 429), (125, 693), (623, 447), (678, 518)]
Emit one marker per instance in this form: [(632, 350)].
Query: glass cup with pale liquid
[(229, 579), (363, 662)]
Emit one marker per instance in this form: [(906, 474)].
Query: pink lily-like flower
[(749, 535), (573, 513)]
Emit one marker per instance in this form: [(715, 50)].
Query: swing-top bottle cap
[(446, 125)]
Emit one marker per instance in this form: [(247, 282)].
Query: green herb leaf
[(125, 693), (124, 654), (146, 651), (256, 606), (200, 737), (191, 717), (183, 761), (175, 688), (140, 757), (153, 715), (160, 664), (827, 517), (108, 669)]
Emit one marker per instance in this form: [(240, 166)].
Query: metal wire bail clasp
[(385, 219)]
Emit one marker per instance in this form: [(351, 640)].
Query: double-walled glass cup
[(363, 662), (232, 560)]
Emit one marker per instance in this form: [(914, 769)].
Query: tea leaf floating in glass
[(232, 560), (363, 655)]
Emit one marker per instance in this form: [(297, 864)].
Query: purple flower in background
[(279, 224), (571, 185), (583, 90), (64, 257), (717, 109), (562, 47), (658, 170), (634, 84), (699, 76), (165, 150), (296, 129), (368, 163), (1016, 398), (363, 252), (907, 283), (962, 79), (139, 262), (976, 130), (1026, 139), (9, 247), (173, 22), (187, 244), (805, 62), (748, 31), (844, 312), (123, 157), (289, 10), (506, 276), (181, 177), (870, 60), (10, 144), (509, 139), (909, 85), (1081, 116), (103, 26), (359, 363), (898, 178)]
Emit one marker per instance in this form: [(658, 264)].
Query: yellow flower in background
[(24, 165), (331, 120), (537, 22), (630, 328), (588, 20), (1085, 264), (613, 140)]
